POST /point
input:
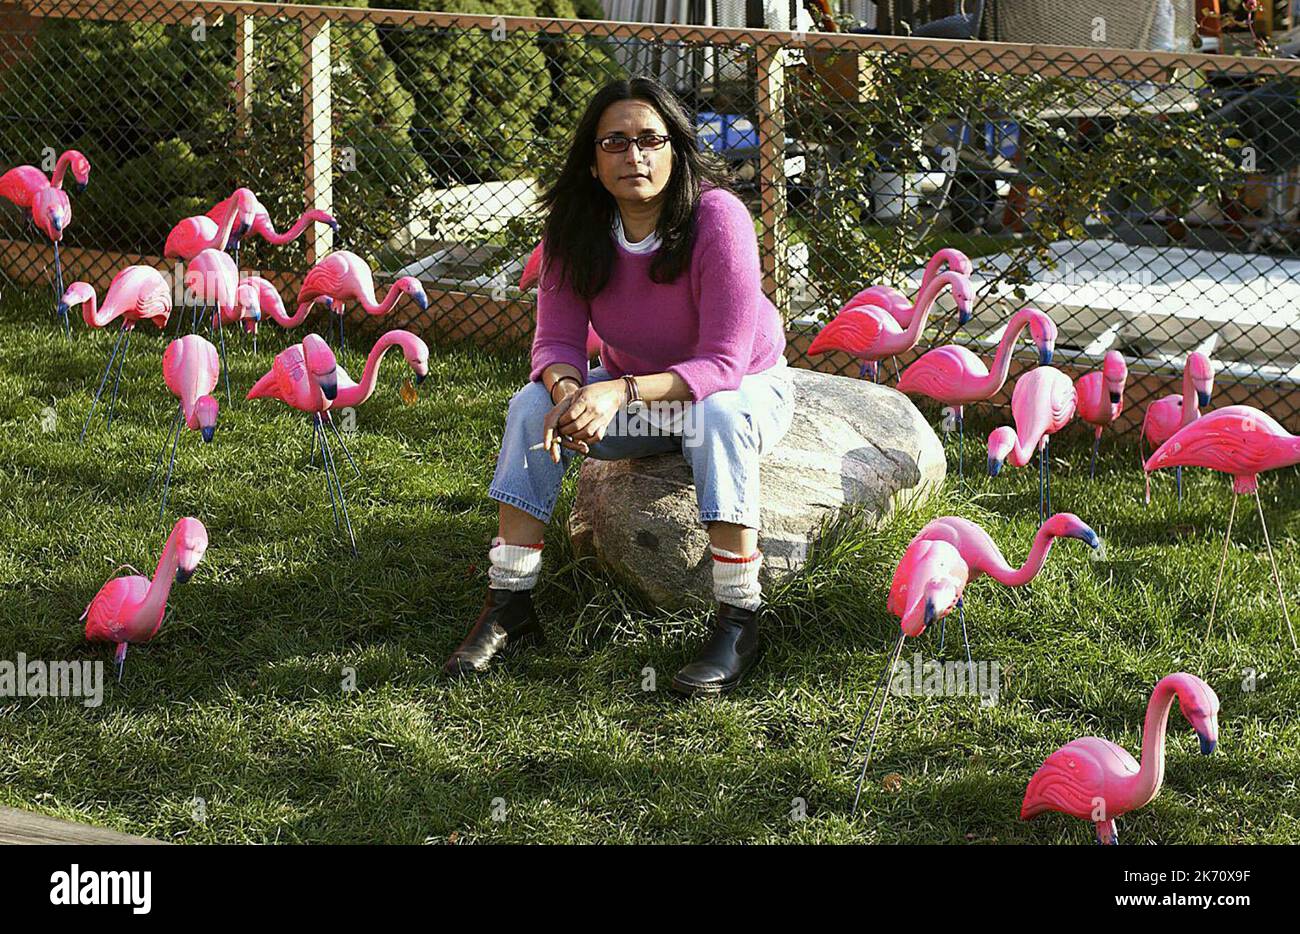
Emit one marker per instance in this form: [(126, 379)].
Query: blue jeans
[(721, 437)]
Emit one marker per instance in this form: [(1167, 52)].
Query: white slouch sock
[(735, 578), (514, 567)]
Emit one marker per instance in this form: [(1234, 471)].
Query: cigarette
[(541, 445)]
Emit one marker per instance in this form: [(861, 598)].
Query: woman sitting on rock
[(645, 242)]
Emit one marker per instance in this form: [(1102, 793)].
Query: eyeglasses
[(646, 142)]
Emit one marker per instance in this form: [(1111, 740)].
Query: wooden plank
[(318, 131), (771, 161), (998, 57), (25, 827), (244, 76)]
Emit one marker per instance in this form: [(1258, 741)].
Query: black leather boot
[(507, 620), (731, 651)]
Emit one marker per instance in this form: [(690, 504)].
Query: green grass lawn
[(239, 701)]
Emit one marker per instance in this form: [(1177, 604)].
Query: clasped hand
[(580, 418)]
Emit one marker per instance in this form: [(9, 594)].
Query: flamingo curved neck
[(56, 180), (1151, 771), (1025, 448), (1191, 402), (1002, 357), (160, 587), (269, 234), (921, 310), (290, 321), (383, 307), (227, 225), (92, 312), (370, 375), (1003, 573)]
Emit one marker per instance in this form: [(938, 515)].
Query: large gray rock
[(851, 443)]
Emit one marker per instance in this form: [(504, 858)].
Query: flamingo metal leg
[(103, 380), (1223, 559), (117, 380), (329, 418), (1277, 578), (331, 471), (871, 745), (167, 482)]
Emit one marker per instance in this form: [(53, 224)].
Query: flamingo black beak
[(1207, 744), (420, 378), (1115, 398), (1045, 356), (183, 574), (207, 432), (963, 315), (930, 613), (63, 309), (329, 385), (422, 301), (81, 186), (1202, 397), (995, 466)]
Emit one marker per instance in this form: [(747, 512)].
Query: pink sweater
[(711, 326)]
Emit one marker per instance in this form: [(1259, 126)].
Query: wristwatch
[(634, 403)]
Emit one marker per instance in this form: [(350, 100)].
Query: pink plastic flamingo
[(1095, 780), (413, 349), (52, 213), (532, 271), (1242, 441), (212, 279), (896, 303), (1101, 397), (899, 306), (264, 228), (982, 556), (1169, 413), (529, 278), (195, 234), (306, 377), (870, 333), (931, 579), (1042, 403), (190, 368), (46, 204), (21, 183), (130, 609), (247, 310), (137, 293), (954, 376), (928, 583), (258, 299), (344, 277)]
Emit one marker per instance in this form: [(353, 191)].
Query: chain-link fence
[(1147, 201)]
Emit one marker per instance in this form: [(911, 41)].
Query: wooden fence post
[(318, 135), (243, 77), (771, 166)]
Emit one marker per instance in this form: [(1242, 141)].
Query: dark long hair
[(580, 210)]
